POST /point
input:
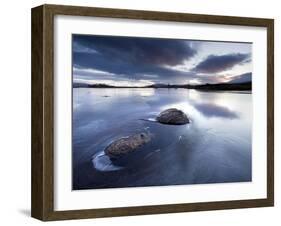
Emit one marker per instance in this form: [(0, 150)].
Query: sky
[(138, 61)]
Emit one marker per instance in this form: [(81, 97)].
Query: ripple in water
[(102, 162)]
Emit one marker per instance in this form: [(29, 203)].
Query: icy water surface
[(214, 148)]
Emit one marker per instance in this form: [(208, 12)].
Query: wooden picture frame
[(43, 112)]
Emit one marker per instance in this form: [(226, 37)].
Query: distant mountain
[(79, 85), (247, 77), (84, 85), (100, 86), (224, 86), (167, 86), (218, 86)]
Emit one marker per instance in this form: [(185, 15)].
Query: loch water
[(215, 147)]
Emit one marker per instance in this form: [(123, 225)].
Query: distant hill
[(84, 85), (80, 85), (224, 86), (158, 86), (243, 78), (218, 86)]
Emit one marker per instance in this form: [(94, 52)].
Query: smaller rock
[(172, 116), (126, 145)]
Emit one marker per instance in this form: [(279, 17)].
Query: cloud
[(131, 57), (153, 59), (247, 77), (78, 48), (92, 74), (219, 63), (90, 71), (125, 68), (153, 51), (213, 110)]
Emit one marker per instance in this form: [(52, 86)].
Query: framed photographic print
[(141, 112)]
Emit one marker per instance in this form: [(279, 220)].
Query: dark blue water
[(214, 148)]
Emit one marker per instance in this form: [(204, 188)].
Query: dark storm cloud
[(247, 77), (153, 51), (149, 59), (133, 58), (125, 68), (218, 63)]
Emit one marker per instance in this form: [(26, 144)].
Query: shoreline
[(246, 86), (198, 89)]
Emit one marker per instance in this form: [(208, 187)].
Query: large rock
[(172, 116), (126, 145)]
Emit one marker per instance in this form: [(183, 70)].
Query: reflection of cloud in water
[(213, 110), (199, 95), (146, 92)]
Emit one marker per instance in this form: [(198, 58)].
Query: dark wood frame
[(42, 203)]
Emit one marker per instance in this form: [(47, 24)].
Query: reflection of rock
[(172, 116), (126, 145)]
